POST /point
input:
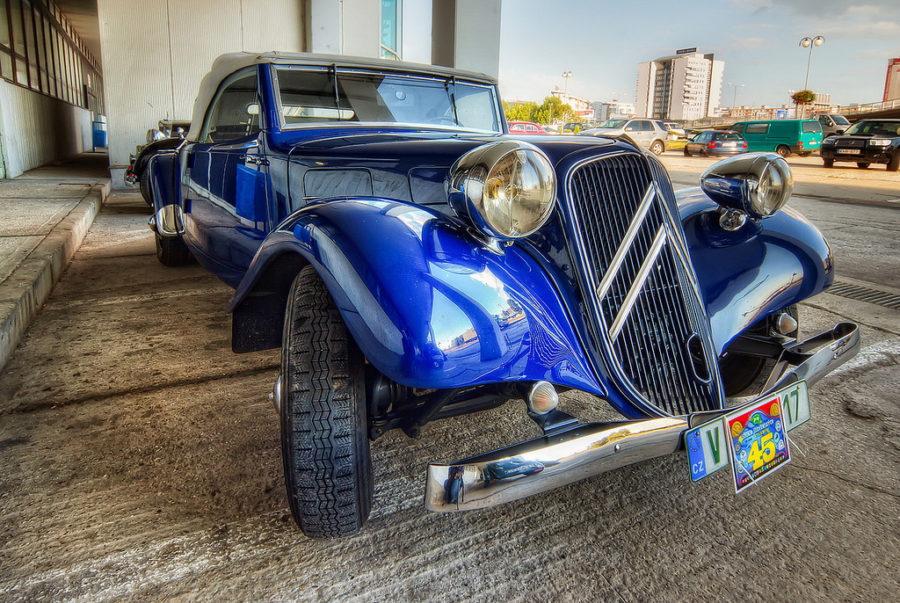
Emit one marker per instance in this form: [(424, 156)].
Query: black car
[(717, 143), (866, 142)]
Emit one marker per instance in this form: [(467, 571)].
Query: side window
[(823, 119), (739, 128), (646, 126), (234, 111), (633, 126), (757, 128)]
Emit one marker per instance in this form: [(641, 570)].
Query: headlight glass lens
[(773, 189), (518, 193)]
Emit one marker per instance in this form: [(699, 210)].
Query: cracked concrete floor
[(140, 458)]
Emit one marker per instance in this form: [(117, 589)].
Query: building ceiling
[(82, 14)]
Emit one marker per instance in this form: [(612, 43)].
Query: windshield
[(312, 96), (613, 123), (728, 136), (874, 128), (840, 120)]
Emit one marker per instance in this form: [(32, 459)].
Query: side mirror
[(758, 184), (839, 132)]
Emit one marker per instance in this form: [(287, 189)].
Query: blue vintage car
[(413, 262)]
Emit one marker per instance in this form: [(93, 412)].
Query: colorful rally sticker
[(707, 449), (758, 441)]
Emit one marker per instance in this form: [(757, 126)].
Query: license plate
[(752, 439), (849, 151), (812, 143)]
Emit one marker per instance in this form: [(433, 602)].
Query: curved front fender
[(427, 305), (755, 271)]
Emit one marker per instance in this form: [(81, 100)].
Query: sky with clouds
[(602, 42)]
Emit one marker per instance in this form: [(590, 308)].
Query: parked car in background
[(526, 128), (676, 131), (414, 261), (715, 143), (784, 136), (649, 133), (167, 135), (866, 142), (832, 123)]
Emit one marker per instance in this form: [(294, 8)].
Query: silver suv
[(649, 133)]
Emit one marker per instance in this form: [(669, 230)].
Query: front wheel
[(324, 441), (171, 251), (741, 371), (686, 152), (657, 148), (829, 163), (894, 164), (783, 150), (145, 190), (863, 165)]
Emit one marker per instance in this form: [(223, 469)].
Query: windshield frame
[(284, 126)]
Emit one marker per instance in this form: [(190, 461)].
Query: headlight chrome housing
[(758, 184), (506, 189)]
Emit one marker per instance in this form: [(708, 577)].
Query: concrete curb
[(24, 292)]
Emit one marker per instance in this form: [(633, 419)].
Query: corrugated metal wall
[(38, 129), (155, 52)]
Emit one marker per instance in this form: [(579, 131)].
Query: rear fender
[(428, 306), (751, 273)]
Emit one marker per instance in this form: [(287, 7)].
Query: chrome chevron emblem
[(659, 239)]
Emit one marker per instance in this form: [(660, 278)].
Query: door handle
[(253, 159)]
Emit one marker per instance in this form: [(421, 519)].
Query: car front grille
[(851, 143), (635, 274)]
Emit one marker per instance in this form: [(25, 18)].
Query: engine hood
[(402, 164)]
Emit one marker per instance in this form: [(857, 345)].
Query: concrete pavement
[(44, 215)]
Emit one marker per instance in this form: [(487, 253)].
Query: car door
[(224, 184), (633, 130)]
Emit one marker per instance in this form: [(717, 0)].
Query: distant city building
[(612, 110), (581, 107), (686, 85), (892, 80)]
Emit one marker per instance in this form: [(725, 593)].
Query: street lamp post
[(734, 96), (808, 42), (566, 75)]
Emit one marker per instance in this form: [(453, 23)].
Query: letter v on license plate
[(707, 448)]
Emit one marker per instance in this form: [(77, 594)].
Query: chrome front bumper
[(586, 450)]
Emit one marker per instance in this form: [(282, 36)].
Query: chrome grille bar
[(658, 241), (631, 256)]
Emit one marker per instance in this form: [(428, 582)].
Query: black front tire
[(894, 164), (686, 152), (145, 190), (829, 163), (171, 251), (863, 165), (324, 441), (783, 150), (740, 371)]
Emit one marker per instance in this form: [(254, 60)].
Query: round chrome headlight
[(773, 189), (506, 188), (756, 183)]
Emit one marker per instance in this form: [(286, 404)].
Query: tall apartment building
[(686, 85)]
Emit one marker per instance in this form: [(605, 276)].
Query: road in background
[(139, 457)]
